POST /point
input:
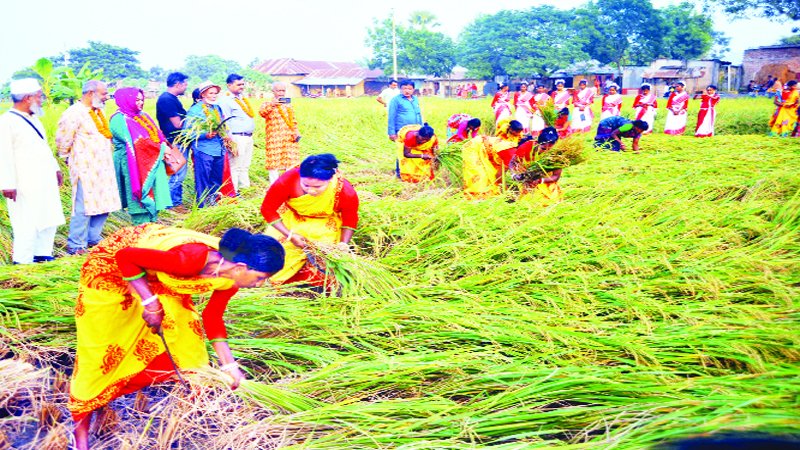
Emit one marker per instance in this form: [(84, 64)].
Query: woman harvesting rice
[(708, 112), (612, 102), (646, 107), (677, 104), (149, 272), (510, 130), (416, 145), (310, 202), (543, 190), (483, 164), (610, 132), (461, 127), (784, 120)]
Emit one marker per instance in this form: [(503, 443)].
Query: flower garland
[(208, 113), (245, 106), (100, 122), (290, 119), (148, 125)]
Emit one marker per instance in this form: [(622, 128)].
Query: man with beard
[(83, 138), (29, 175)]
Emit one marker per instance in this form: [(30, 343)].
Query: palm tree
[(423, 20)]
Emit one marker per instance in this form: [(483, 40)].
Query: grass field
[(659, 301)]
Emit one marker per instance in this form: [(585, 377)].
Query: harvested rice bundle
[(450, 159), (549, 114), (565, 153)]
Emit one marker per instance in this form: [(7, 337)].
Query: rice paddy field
[(658, 302)]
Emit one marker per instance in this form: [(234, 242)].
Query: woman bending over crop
[(310, 202), (138, 283), (538, 186), (461, 127), (611, 130), (416, 147), (483, 164)]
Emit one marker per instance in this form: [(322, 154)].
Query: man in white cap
[(29, 175), (84, 139)]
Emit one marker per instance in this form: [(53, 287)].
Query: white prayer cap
[(24, 86), (206, 85)]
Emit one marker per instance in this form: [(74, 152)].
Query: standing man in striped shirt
[(237, 107)]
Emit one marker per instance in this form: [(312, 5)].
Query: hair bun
[(232, 241)]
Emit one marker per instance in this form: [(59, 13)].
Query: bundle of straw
[(565, 153), (194, 127), (451, 160), (549, 114)]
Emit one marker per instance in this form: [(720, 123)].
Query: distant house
[(697, 74), (583, 70), (782, 61), (448, 86), (322, 78)]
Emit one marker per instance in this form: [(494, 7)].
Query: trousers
[(176, 180), (28, 241), (240, 164), (84, 229), (207, 177)]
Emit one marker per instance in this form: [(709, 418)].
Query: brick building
[(782, 61)]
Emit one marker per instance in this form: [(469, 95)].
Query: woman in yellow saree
[(150, 272), (483, 160), (310, 202), (544, 190), (416, 145), (784, 120)]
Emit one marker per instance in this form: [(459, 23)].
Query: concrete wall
[(760, 63)]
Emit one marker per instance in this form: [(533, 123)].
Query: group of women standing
[(528, 108)]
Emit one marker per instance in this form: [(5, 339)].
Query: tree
[(771, 9), (621, 31), (418, 50), (789, 40), (48, 75), (423, 20), (721, 45), (209, 67), (157, 73), (255, 81), (520, 43), (70, 84), (115, 62), (689, 34)]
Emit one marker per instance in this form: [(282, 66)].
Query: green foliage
[(254, 80), (70, 85), (621, 31), (689, 33), (720, 46), (771, 9), (423, 20), (419, 51), (536, 41), (115, 62), (157, 73), (49, 77), (789, 40), (209, 67)]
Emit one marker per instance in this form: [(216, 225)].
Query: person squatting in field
[(611, 130), (416, 150), (135, 287)]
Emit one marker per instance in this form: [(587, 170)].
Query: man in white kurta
[(29, 175), (83, 138)]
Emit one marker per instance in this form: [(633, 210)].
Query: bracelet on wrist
[(229, 366), (217, 340), (149, 300)]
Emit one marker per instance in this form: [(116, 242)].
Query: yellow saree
[(314, 218), (114, 343), (543, 194), (482, 166), (414, 170)]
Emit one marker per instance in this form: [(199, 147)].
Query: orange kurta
[(282, 151)]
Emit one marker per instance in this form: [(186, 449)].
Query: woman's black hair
[(640, 124), (321, 167), (791, 83), (713, 87), (195, 95), (526, 138), (563, 112), (474, 123), (426, 131), (583, 82), (258, 251), (515, 126), (548, 135)]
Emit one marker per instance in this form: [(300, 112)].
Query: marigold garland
[(100, 122), (208, 113), (148, 125), (290, 119), (246, 107)]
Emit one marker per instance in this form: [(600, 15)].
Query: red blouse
[(186, 260), (287, 186), (411, 140)]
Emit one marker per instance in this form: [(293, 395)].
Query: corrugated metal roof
[(336, 81), (290, 66), (664, 73)]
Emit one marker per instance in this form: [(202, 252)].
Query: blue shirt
[(240, 122), (213, 146), (402, 112)]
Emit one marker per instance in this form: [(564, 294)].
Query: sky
[(166, 32)]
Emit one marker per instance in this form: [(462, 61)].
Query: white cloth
[(240, 164), (27, 165), (24, 86), (28, 241), (388, 94)]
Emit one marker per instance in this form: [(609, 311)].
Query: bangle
[(289, 237), (154, 312), (135, 277), (229, 366), (217, 340), (149, 300)]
